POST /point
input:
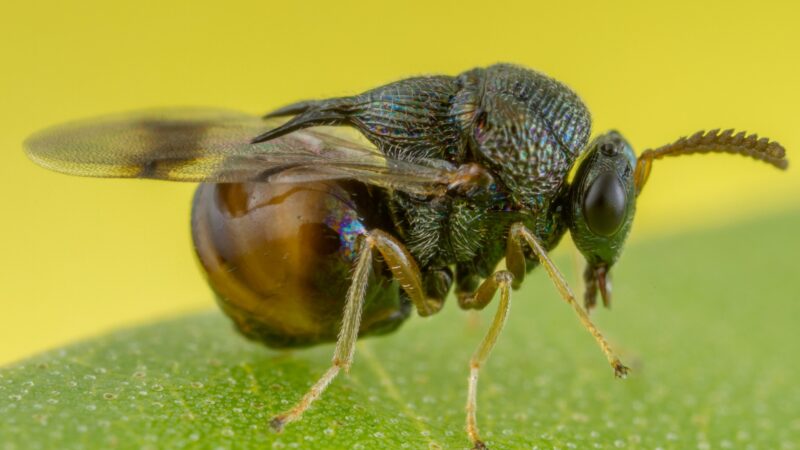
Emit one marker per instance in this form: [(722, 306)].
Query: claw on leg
[(278, 422)]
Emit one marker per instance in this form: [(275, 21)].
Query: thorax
[(471, 232)]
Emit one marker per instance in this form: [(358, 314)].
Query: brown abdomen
[(279, 257)]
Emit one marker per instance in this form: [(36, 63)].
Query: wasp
[(309, 235)]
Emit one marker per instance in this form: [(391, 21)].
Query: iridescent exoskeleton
[(459, 173)]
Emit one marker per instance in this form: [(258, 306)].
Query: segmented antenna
[(713, 141)]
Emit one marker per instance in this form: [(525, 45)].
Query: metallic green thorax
[(525, 128)]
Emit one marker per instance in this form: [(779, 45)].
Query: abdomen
[(279, 258)]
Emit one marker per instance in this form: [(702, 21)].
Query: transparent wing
[(214, 146)]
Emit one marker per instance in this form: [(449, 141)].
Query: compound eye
[(604, 204)]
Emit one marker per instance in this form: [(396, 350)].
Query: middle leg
[(405, 270), (483, 295)]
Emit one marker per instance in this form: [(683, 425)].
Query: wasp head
[(602, 197), (602, 201)]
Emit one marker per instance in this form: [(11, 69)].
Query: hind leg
[(346, 342), (404, 270)]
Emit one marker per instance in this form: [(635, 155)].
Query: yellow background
[(82, 256)]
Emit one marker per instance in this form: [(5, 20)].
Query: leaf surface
[(708, 322)]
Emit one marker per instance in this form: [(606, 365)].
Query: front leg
[(516, 264)]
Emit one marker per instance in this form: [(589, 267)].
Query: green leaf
[(708, 322)]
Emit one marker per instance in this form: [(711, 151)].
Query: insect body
[(462, 173)]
